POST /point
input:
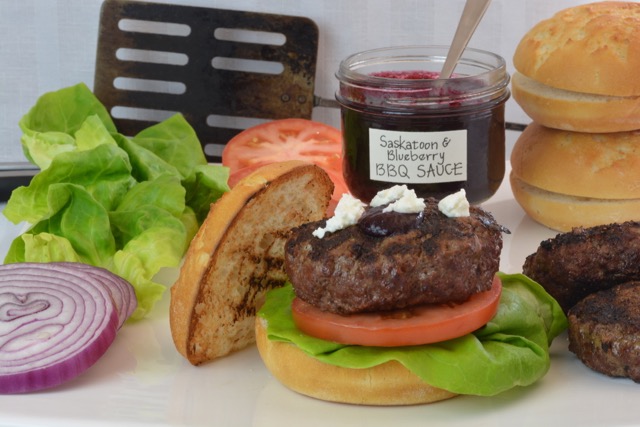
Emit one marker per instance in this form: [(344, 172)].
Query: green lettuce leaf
[(41, 148), (205, 183), (131, 205), (93, 133), (202, 181), (154, 238), (164, 192), (81, 223), (49, 126), (174, 141), (511, 350), (65, 111), (146, 165), (105, 172), (41, 247)]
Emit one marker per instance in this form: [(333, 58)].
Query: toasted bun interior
[(386, 384), (238, 254)]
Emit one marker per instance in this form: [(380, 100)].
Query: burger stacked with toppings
[(396, 258), (400, 302)]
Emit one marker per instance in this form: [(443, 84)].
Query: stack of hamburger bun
[(578, 78)]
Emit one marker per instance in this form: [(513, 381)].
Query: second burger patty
[(436, 260), (604, 331), (577, 263)]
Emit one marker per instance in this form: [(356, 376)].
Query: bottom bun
[(563, 212), (573, 111), (386, 384)]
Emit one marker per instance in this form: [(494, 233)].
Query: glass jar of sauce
[(401, 124)]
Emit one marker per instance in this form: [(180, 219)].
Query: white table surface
[(143, 381)]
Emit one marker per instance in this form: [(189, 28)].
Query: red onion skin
[(55, 375)]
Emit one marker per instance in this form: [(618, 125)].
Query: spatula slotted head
[(223, 70)]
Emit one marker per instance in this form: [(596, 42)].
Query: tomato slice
[(286, 139), (416, 326)]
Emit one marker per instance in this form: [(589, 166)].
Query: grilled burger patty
[(604, 331), (575, 264), (395, 261)]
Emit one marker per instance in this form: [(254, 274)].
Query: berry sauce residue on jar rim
[(407, 75), (409, 79)]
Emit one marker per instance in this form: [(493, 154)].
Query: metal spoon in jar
[(471, 16)]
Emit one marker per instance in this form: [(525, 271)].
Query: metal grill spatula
[(224, 70)]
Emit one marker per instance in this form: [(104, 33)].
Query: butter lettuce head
[(511, 350), (131, 205)]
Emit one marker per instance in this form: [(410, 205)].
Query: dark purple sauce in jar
[(403, 125)]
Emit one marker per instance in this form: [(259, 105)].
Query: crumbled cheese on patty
[(398, 198), (389, 195), (455, 205), (408, 203), (347, 212)]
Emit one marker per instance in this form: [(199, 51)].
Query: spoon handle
[(471, 16)]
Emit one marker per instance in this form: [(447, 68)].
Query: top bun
[(238, 254), (592, 48)]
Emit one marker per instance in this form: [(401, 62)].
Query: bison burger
[(400, 303)]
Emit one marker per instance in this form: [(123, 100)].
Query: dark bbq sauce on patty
[(377, 223)]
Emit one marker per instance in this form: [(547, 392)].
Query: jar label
[(417, 157)]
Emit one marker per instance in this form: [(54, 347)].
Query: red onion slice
[(54, 325)]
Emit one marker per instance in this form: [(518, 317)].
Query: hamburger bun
[(578, 69), (566, 179), (386, 384), (238, 254), (574, 111)]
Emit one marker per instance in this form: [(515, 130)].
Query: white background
[(49, 44)]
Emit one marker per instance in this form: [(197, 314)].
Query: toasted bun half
[(566, 179), (238, 254), (386, 384), (575, 111), (577, 70)]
